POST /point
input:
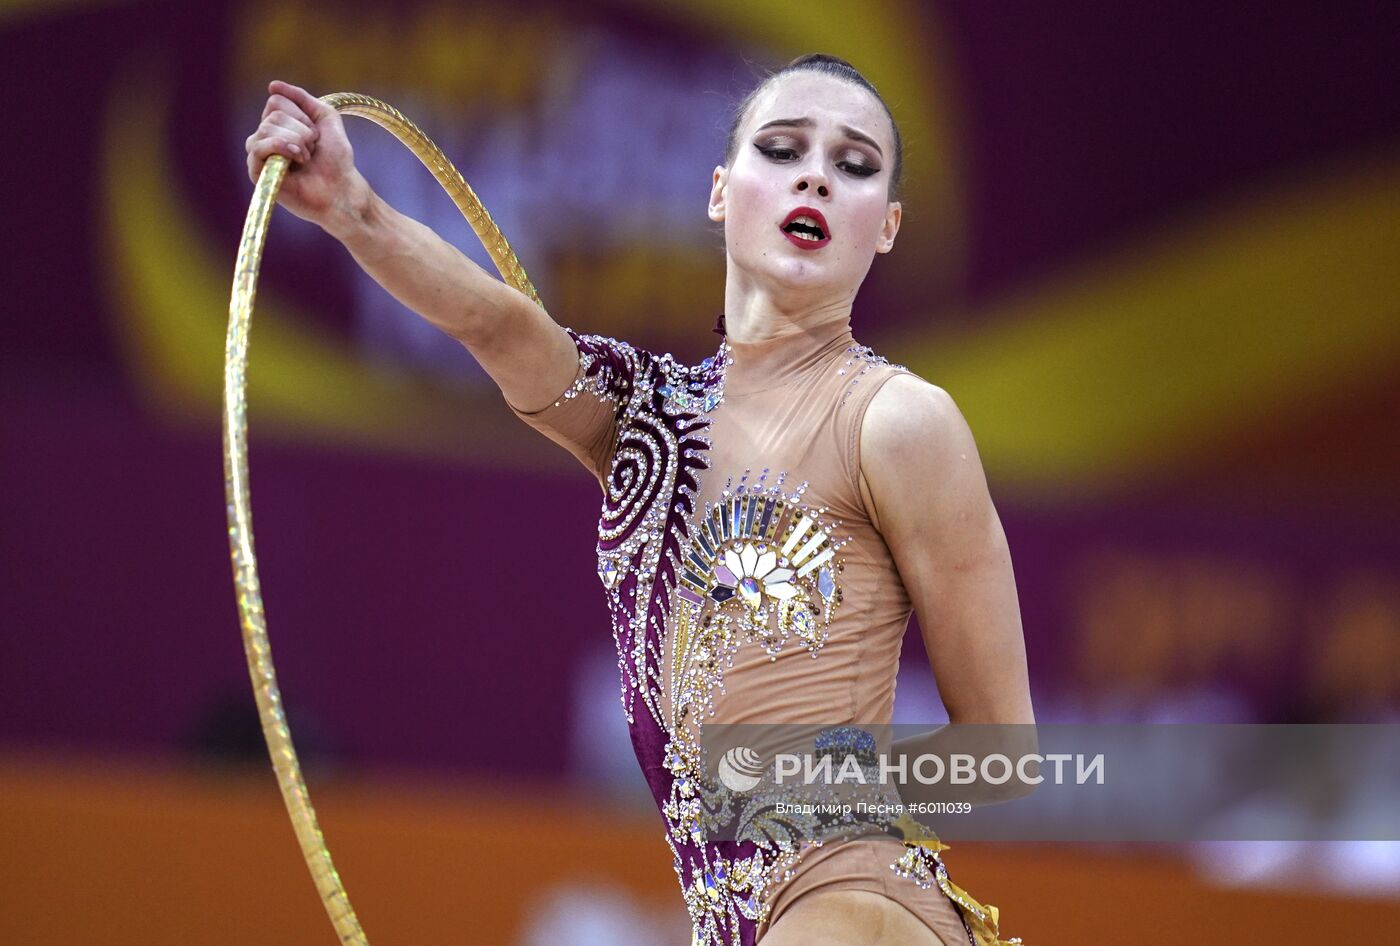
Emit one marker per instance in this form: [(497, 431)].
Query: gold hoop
[(240, 516)]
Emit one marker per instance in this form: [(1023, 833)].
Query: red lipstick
[(805, 242)]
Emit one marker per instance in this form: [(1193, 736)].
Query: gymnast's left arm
[(924, 489), (926, 492)]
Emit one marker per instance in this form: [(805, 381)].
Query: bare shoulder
[(909, 414), (913, 436)]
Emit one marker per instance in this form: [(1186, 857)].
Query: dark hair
[(827, 65)]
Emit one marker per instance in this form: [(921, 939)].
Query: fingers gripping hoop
[(240, 516)]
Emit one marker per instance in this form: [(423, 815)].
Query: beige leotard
[(733, 524)]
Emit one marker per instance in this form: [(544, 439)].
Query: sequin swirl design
[(660, 450)]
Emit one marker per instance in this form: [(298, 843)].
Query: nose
[(812, 178)]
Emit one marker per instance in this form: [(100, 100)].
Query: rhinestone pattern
[(860, 359)]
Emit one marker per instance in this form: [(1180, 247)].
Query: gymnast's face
[(817, 164)]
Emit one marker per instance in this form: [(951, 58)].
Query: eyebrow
[(808, 123)]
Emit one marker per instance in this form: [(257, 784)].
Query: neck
[(759, 361), (756, 312), (774, 335)]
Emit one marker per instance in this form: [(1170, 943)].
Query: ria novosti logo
[(740, 769)]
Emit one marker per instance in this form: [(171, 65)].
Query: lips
[(804, 242)]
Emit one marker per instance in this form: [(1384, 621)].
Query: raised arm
[(529, 356), (923, 484)]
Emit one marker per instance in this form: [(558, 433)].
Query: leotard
[(747, 583)]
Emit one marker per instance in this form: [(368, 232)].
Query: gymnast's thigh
[(849, 918)]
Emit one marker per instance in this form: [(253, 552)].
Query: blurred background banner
[(1153, 254)]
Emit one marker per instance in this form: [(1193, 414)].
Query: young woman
[(770, 516)]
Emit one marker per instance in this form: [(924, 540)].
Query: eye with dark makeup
[(859, 170)]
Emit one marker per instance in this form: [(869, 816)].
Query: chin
[(787, 265), (798, 274)]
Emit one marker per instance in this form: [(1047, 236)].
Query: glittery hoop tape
[(235, 428)]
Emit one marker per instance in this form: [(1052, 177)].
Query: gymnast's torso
[(746, 583)]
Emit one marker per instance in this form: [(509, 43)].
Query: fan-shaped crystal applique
[(767, 561), (751, 571)]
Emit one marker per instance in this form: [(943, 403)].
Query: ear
[(893, 213), (717, 185)]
